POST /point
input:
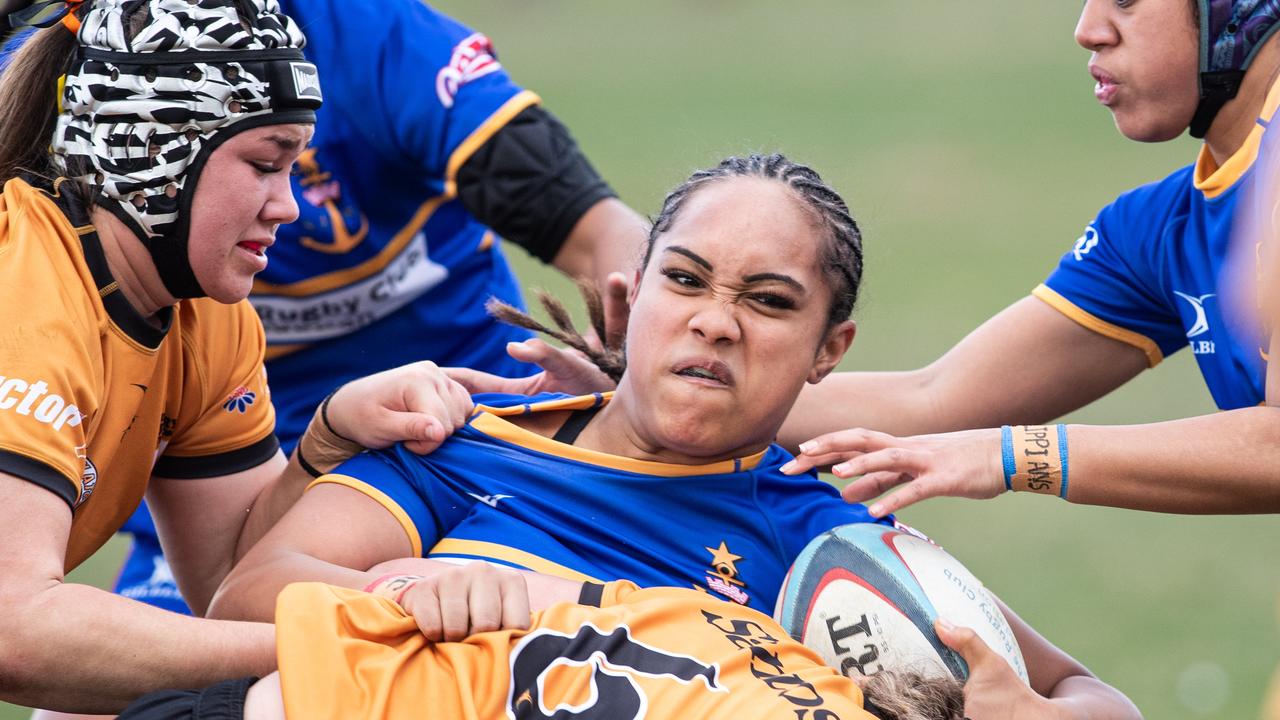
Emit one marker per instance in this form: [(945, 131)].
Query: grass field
[(966, 138)]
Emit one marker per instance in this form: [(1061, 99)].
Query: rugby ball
[(864, 598)]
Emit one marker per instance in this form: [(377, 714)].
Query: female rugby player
[(1151, 275), (751, 273), (144, 149)]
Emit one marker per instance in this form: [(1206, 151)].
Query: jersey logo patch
[(321, 190), (472, 58), (1087, 242), (240, 400), (88, 477), (1201, 324), (490, 500), (20, 396), (723, 576), (614, 659)]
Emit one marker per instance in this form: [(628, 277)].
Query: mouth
[(1105, 85), (257, 247), (705, 372)]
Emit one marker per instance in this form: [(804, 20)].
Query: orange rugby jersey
[(94, 399), (652, 653)]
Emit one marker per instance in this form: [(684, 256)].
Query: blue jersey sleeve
[(418, 87), (389, 478), (1110, 281), (803, 507)]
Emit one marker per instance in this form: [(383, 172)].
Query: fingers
[(616, 310), (895, 459), (913, 493), (515, 602), (964, 641), (854, 439), (475, 381), (872, 485), (564, 370)]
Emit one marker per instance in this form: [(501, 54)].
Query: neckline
[(492, 421), (1212, 179)]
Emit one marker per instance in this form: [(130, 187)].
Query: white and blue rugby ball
[(864, 598)]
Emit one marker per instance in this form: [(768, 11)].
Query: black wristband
[(591, 595), (324, 418)]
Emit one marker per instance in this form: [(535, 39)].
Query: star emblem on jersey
[(490, 500), (722, 578)]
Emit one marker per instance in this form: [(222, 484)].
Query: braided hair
[(841, 255)]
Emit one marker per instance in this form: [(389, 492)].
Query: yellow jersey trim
[(360, 486), (1213, 180), (486, 550), (490, 422), (481, 135), (1100, 326), (374, 265)]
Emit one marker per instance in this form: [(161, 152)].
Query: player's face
[(728, 321), (1145, 64), (243, 195)]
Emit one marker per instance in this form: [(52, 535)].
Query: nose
[(716, 322), (281, 207), (1095, 29)]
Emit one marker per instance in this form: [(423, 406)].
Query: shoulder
[(1146, 206)]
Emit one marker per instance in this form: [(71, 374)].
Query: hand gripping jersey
[(1156, 267), (385, 266), (656, 653), (94, 400), (498, 492)]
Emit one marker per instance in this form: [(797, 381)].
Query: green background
[(966, 139)]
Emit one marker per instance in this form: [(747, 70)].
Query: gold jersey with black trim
[(95, 398), (653, 653)]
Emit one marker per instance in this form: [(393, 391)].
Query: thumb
[(964, 641), (420, 433), (616, 311)]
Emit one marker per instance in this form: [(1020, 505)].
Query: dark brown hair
[(29, 102), (912, 696)]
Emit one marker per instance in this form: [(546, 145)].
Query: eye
[(772, 300), (266, 168), (681, 278)]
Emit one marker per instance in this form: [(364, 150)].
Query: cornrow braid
[(841, 254), (611, 361)]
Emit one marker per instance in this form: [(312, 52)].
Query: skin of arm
[(1060, 686), (609, 237), (1220, 463), (1028, 364), (97, 666)]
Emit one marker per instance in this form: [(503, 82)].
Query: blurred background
[(966, 138)]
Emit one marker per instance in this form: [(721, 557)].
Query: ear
[(635, 286), (832, 350)]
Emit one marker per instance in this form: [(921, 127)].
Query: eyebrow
[(757, 277), (689, 254), (283, 142)]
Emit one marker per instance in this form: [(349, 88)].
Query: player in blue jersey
[(751, 273), (1151, 274), (426, 152)]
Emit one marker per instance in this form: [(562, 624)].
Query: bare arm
[(1065, 688), (75, 648), (607, 238), (331, 535), (1029, 363)]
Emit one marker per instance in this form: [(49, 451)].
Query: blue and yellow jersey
[(1156, 267), (498, 492), (385, 266)]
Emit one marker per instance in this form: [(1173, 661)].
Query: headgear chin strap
[(142, 111), (1231, 33)]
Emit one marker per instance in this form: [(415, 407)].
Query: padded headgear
[(1231, 33), (142, 111)]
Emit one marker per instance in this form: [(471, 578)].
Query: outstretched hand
[(564, 370), (993, 691), (958, 464), (416, 404)]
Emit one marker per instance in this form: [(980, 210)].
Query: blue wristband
[(1006, 454), (1062, 453)]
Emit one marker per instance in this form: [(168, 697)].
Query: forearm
[(79, 649), (607, 238), (249, 592), (1084, 697), (270, 505), (1228, 462)]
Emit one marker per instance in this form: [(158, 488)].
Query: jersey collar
[(1212, 179)]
